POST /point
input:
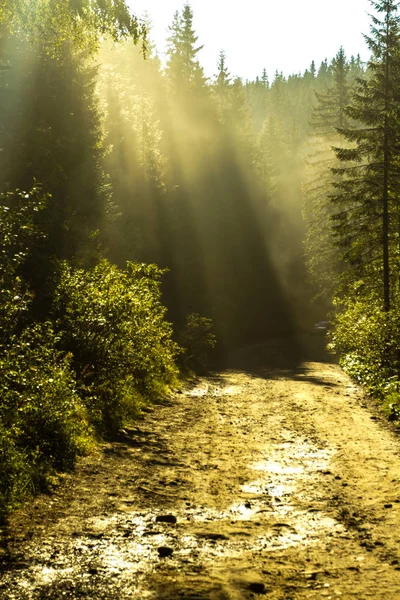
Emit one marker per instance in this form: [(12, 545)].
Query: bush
[(19, 236), (42, 422), (368, 341), (111, 353), (197, 340), (112, 321)]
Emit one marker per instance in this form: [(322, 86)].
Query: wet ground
[(281, 482)]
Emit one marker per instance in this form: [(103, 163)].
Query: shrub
[(197, 340), (19, 235), (111, 353), (368, 341), (112, 321), (42, 422)]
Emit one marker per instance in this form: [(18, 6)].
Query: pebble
[(164, 551), (166, 519), (257, 587)]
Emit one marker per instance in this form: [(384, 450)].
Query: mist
[(204, 177), (207, 178)]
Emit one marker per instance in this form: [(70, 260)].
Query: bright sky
[(277, 34)]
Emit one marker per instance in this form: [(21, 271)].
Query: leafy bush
[(113, 323), (42, 422), (368, 341), (19, 235), (197, 340), (112, 352)]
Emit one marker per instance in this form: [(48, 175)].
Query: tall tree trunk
[(386, 163)]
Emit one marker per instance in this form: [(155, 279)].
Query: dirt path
[(283, 484)]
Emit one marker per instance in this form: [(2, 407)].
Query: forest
[(153, 219)]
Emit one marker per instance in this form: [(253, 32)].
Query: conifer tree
[(223, 78), (54, 139), (366, 197), (328, 115), (264, 78), (183, 67), (324, 75), (135, 162), (258, 92), (356, 68)]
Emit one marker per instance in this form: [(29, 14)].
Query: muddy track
[(282, 483)]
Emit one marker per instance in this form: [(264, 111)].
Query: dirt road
[(282, 483)]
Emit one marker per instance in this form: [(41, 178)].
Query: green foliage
[(366, 209), (183, 68), (53, 22), (368, 341), (113, 323), (197, 340), (17, 226), (19, 235), (61, 147), (43, 425), (322, 255)]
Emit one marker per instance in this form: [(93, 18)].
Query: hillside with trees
[(154, 220)]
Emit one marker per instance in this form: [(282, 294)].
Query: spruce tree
[(223, 77), (134, 161), (328, 115), (183, 68), (264, 78), (367, 218), (258, 94)]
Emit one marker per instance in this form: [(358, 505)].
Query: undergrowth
[(368, 341), (104, 351)]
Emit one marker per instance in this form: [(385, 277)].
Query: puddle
[(206, 389), (273, 512), (287, 476), (198, 392), (275, 467), (232, 390)]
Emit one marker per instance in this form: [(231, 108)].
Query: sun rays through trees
[(156, 219)]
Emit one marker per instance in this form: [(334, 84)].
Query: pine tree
[(264, 78), (223, 78), (356, 68), (183, 68), (324, 76), (258, 94), (54, 139), (222, 89), (135, 162), (367, 218), (328, 115)]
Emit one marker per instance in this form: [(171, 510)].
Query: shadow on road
[(283, 357)]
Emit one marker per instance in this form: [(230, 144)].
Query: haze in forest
[(159, 215)]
